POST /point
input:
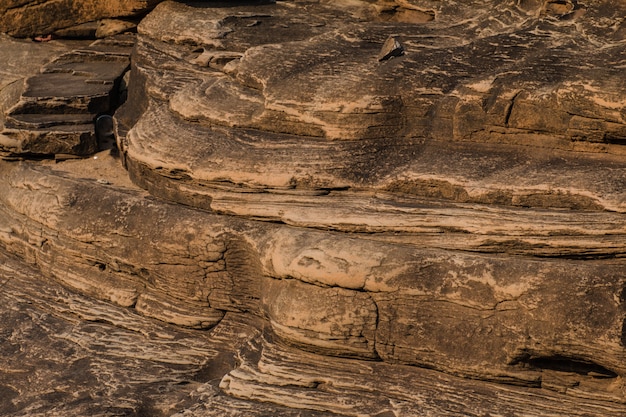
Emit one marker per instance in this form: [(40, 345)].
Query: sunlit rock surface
[(321, 208), (31, 18)]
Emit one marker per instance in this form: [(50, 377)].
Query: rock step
[(54, 112), (64, 139), (47, 121)]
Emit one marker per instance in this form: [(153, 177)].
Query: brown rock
[(25, 18), (329, 225), (112, 27), (55, 111), (391, 48)]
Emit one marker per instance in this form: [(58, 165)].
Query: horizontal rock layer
[(55, 111), (28, 18), (486, 316), (328, 216), (312, 109)]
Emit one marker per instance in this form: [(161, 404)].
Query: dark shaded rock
[(391, 48), (56, 110)]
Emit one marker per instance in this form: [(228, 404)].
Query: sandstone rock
[(56, 110), (391, 48), (64, 354), (81, 31), (26, 18), (334, 321), (328, 224), (367, 297), (112, 27), (353, 123)]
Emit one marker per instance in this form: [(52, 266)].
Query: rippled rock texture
[(352, 208)]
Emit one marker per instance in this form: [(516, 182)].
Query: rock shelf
[(288, 224)]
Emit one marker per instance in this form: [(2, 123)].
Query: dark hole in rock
[(614, 139), (623, 333), (564, 364), (105, 134)]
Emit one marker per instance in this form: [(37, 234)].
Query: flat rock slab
[(54, 112)]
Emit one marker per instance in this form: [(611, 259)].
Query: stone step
[(47, 121), (55, 111), (63, 93), (78, 139)]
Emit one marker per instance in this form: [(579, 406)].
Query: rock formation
[(319, 208), (30, 18)]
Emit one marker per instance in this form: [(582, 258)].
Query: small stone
[(391, 48)]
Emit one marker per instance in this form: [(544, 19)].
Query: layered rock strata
[(54, 112), (309, 127), (549, 325), (30, 18), (347, 212)]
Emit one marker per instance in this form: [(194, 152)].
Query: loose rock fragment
[(391, 48)]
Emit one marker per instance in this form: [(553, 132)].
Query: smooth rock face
[(315, 226)]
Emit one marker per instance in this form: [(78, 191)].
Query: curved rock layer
[(64, 354), (511, 319), (333, 198), (524, 112)]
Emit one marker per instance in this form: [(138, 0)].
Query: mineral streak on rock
[(305, 229)]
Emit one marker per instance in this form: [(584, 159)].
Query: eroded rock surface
[(488, 111), (332, 197), (54, 111), (29, 18)]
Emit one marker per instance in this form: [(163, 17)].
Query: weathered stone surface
[(461, 116), (64, 354), (55, 111), (338, 223), (362, 296), (333, 320), (474, 315), (29, 18)]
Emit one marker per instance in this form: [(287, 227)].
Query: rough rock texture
[(490, 113), (53, 112), (348, 208), (522, 323), (29, 18)]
